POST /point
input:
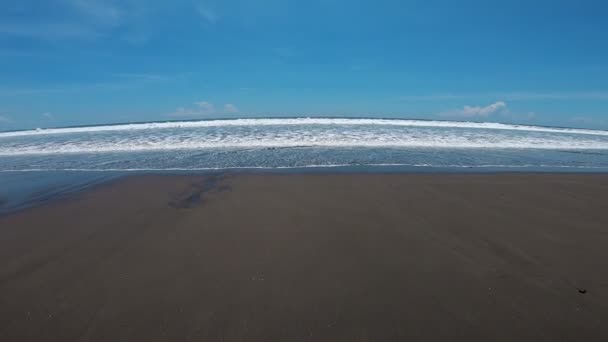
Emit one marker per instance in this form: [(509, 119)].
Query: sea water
[(301, 142), (281, 144)]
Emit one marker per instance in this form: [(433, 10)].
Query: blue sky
[(75, 62)]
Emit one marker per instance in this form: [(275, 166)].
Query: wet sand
[(312, 258)]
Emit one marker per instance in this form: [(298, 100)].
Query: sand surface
[(312, 258)]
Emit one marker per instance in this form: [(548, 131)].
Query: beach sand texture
[(370, 257)]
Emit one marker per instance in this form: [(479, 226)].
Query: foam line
[(483, 166), (301, 121), (159, 147)]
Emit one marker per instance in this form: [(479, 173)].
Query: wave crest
[(302, 121)]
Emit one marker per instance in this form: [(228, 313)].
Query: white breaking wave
[(52, 150), (302, 121), (297, 138), (289, 133)]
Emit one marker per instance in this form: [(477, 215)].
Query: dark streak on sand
[(373, 257), (193, 195)]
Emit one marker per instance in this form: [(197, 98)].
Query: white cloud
[(4, 119), (209, 15), (478, 111), (230, 108), (204, 108), (484, 111), (48, 115)]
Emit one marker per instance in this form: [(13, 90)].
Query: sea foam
[(301, 121)]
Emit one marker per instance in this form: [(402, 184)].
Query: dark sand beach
[(503, 257)]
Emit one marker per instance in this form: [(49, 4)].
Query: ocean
[(47, 162)]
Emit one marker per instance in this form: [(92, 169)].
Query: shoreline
[(60, 184)]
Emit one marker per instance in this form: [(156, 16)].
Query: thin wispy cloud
[(48, 115), (69, 19), (143, 77), (586, 120), (5, 119), (582, 119), (209, 16), (202, 109), (137, 37), (115, 82), (101, 12), (133, 21), (49, 31), (437, 97), (72, 23), (59, 89), (510, 96), (576, 95)]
